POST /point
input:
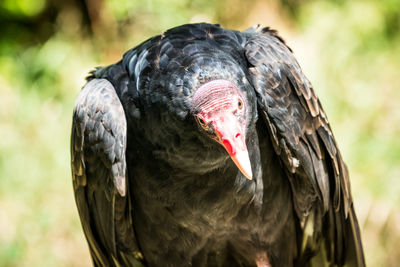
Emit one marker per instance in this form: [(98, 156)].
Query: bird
[(205, 146)]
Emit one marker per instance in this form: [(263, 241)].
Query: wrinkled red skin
[(220, 106)]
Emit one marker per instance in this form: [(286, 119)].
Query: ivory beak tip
[(242, 161)]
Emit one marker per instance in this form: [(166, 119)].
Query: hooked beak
[(235, 145), (242, 161)]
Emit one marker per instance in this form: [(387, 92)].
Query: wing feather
[(98, 144), (301, 136)]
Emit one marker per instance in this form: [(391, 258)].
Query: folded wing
[(98, 144), (303, 139)]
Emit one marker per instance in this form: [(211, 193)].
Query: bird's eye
[(240, 104), (202, 123)]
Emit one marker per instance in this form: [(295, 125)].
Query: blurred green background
[(350, 50)]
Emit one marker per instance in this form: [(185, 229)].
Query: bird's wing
[(302, 138), (98, 144)]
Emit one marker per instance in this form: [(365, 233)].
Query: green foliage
[(356, 75), (24, 7), (361, 64), (350, 50)]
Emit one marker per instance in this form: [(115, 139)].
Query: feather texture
[(300, 129), (152, 189), (98, 144)]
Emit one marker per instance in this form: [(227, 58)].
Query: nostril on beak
[(228, 147)]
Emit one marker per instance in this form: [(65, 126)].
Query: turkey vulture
[(208, 147)]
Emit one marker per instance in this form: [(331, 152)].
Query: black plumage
[(153, 188)]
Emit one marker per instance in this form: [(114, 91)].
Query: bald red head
[(220, 109)]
